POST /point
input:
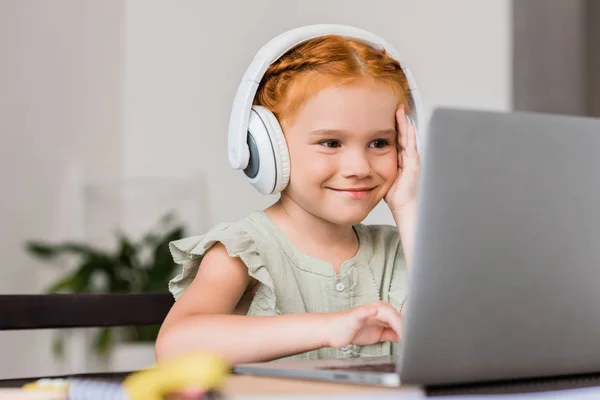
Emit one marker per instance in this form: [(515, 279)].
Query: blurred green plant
[(133, 267)]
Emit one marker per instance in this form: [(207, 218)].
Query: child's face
[(343, 139)]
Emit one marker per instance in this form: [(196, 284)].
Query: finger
[(401, 160), (376, 321), (361, 314), (411, 145), (402, 127), (387, 314), (389, 335)]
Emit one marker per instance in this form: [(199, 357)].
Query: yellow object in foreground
[(199, 370)]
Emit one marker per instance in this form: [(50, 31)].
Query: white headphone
[(255, 140)]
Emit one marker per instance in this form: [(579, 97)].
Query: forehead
[(365, 106)]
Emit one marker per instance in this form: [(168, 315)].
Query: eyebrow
[(326, 132)]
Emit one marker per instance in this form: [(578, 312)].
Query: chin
[(346, 215)]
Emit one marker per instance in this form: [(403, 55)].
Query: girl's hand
[(404, 189), (364, 325)]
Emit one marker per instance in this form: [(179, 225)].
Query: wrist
[(406, 220), (333, 329), (322, 328), (400, 211)]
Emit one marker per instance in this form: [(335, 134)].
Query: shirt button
[(339, 287)]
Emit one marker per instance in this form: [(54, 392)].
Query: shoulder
[(234, 236), (384, 239), (241, 241)]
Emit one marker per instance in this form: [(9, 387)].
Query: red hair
[(321, 63)]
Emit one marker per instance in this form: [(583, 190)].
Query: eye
[(380, 143), (330, 143)]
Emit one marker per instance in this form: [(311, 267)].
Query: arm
[(406, 221), (402, 196), (201, 320), (243, 339)]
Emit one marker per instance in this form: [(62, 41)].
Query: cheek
[(387, 167), (306, 165)]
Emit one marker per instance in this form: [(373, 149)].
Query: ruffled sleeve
[(188, 253)]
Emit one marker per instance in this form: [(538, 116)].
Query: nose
[(355, 163)]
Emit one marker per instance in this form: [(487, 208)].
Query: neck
[(308, 231)]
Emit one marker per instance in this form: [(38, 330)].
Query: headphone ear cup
[(269, 164)]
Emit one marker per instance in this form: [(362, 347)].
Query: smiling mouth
[(354, 193), (366, 189)]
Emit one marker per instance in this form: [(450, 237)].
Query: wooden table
[(255, 385), (238, 386)]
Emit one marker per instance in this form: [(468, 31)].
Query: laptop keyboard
[(378, 368)]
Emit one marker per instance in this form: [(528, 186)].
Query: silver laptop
[(506, 277)]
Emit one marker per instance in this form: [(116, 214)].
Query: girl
[(305, 279)]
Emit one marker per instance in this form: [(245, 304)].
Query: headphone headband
[(238, 151)]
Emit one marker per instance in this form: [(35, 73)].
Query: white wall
[(60, 104), (184, 61), (62, 83)]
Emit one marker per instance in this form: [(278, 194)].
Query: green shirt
[(291, 282)]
